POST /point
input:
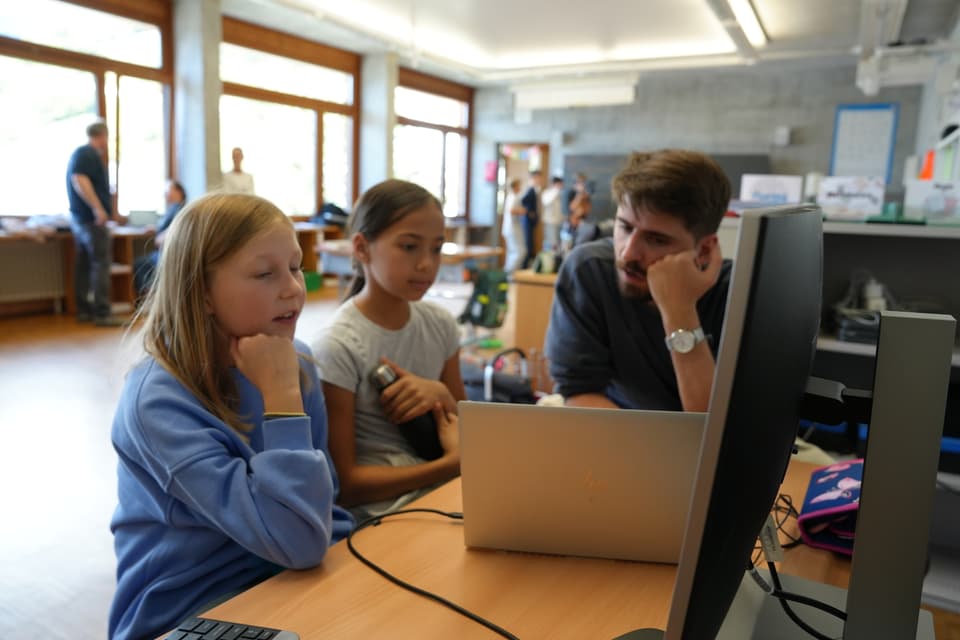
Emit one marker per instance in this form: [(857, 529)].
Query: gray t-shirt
[(601, 342), (351, 347)]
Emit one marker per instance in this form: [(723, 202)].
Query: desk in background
[(532, 299), (46, 264), (337, 259), (533, 596)]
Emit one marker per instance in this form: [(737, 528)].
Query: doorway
[(516, 160)]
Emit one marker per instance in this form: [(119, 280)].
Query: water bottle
[(420, 432)]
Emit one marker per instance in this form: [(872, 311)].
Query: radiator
[(30, 270)]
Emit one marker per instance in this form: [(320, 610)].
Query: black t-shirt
[(86, 161), (599, 341)]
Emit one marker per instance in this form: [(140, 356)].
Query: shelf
[(877, 229), (893, 230), (829, 343)]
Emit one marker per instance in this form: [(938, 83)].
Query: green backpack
[(488, 301)]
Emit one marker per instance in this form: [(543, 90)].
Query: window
[(431, 141), (418, 156), (338, 159), (420, 105), (285, 75), (45, 112), (67, 26), (64, 65), (279, 150), (289, 103), (138, 151)]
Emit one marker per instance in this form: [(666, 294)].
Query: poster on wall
[(864, 137)]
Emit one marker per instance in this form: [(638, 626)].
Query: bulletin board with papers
[(864, 137)]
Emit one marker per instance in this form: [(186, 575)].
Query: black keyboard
[(207, 629)]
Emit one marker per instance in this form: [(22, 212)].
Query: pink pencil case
[(828, 519)]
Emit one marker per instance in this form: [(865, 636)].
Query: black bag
[(487, 384)]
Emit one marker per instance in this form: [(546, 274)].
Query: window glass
[(46, 110), (68, 26), (427, 107), (253, 68), (279, 148), (142, 157), (454, 194), (418, 156), (338, 160)]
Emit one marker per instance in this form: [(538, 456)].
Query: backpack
[(488, 300), (488, 383)]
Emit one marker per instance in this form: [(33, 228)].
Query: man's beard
[(628, 290)]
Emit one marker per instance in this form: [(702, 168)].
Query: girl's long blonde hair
[(179, 331)]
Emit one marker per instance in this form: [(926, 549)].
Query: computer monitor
[(766, 353)]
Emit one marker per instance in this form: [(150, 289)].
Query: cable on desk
[(783, 511), (375, 521), (785, 597)]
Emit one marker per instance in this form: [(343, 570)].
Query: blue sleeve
[(278, 504), (578, 344), (315, 406)]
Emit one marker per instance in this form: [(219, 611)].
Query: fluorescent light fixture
[(749, 23), (584, 92)]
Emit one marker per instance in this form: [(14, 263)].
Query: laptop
[(604, 483), (138, 218)]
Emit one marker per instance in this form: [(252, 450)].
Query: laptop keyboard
[(206, 629)]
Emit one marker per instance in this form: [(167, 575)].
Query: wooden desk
[(532, 299), (310, 236), (127, 244), (533, 596)]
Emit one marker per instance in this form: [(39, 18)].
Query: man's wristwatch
[(684, 340)]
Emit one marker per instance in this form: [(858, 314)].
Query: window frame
[(252, 36), (156, 12), (426, 83)]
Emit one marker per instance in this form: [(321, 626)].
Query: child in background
[(397, 233), (224, 475)]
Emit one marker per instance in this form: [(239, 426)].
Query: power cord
[(783, 511), (375, 521), (785, 597)]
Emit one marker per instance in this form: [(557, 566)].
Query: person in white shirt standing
[(513, 228), (236, 180), (552, 214)]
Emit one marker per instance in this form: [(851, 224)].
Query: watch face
[(683, 341)]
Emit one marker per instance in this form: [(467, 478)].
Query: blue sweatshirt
[(202, 513)]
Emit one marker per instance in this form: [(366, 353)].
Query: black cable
[(375, 521), (784, 597)]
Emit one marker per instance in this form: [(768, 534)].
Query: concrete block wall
[(715, 111)]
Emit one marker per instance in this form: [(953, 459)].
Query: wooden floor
[(59, 383)]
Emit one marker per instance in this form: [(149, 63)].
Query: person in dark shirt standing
[(88, 191), (531, 202)]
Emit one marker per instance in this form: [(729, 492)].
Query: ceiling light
[(749, 23)]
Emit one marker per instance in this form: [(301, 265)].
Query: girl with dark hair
[(397, 233)]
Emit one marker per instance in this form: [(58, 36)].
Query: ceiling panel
[(805, 24), (480, 41)]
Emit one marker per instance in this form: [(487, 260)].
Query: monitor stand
[(755, 615)]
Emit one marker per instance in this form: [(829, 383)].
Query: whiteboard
[(864, 137)]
